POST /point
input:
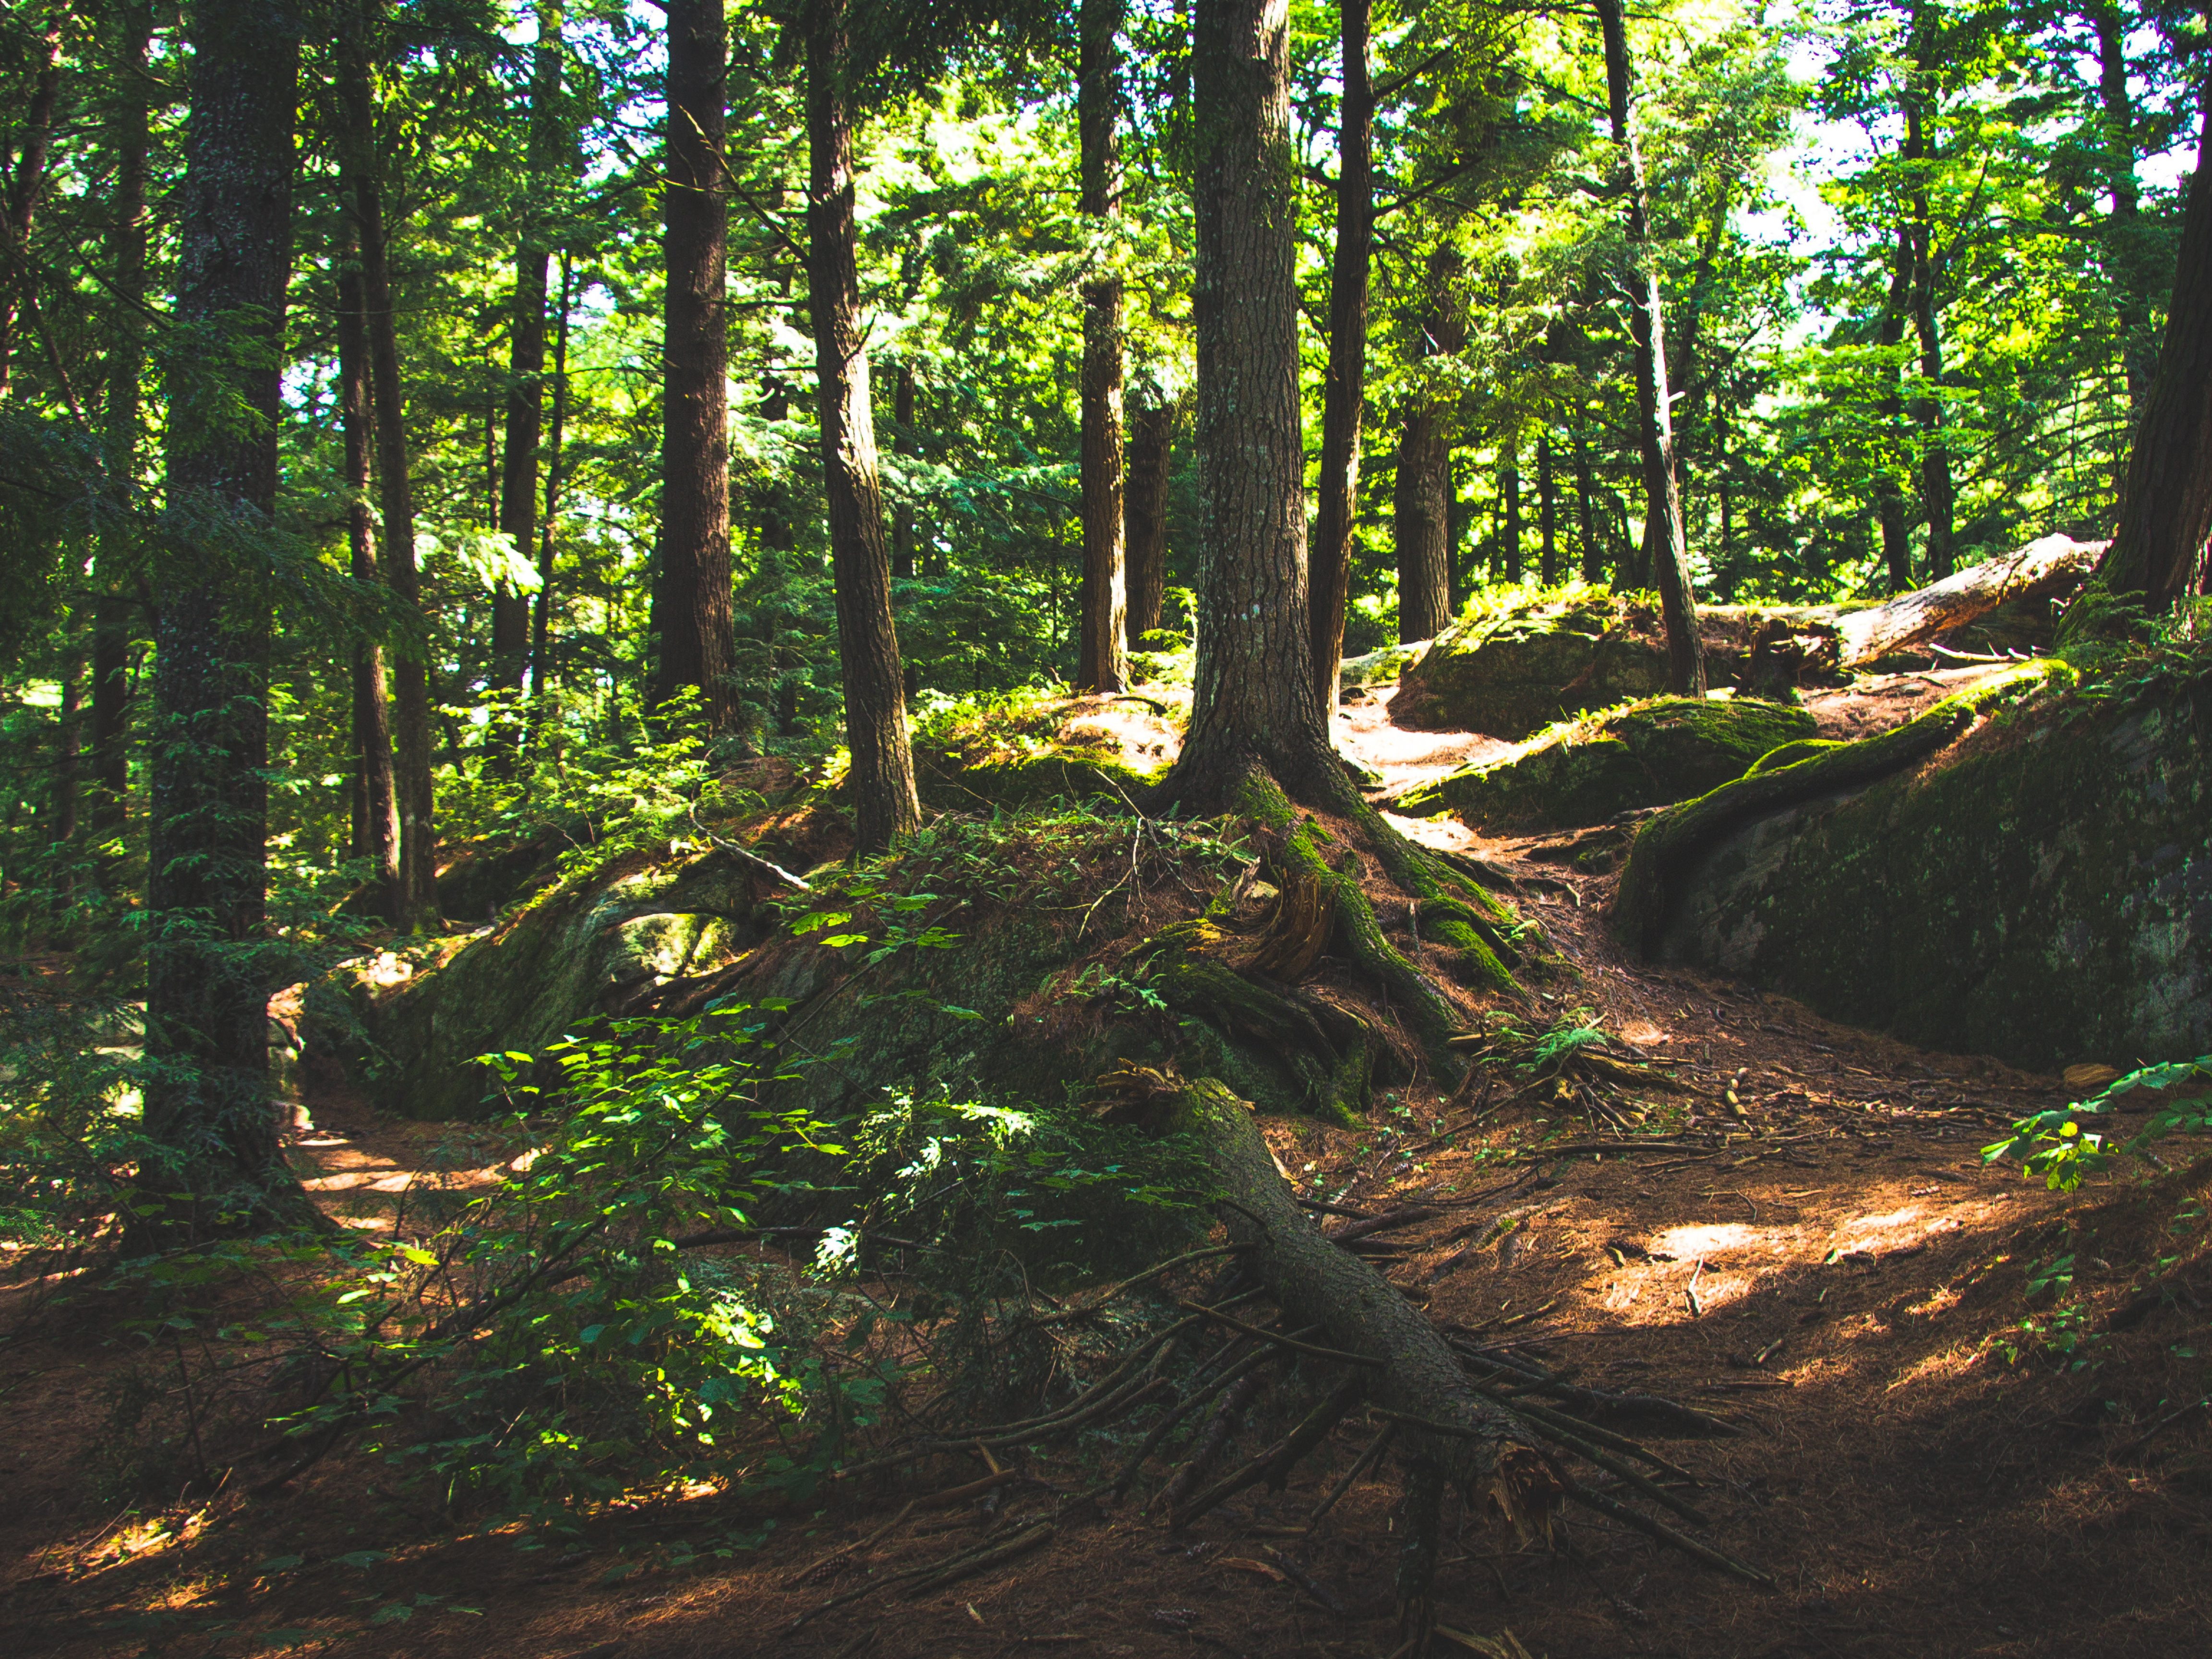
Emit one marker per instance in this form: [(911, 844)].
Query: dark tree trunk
[(410, 673), (1547, 508), (694, 618), (1889, 494), (1254, 705), (525, 365), (69, 744), (541, 619), (219, 1164), (1509, 507), (1678, 605), (2125, 267), (884, 805), (2165, 505), (25, 185), (1144, 514), (1102, 653), (1593, 553), (1938, 497), (902, 443), (1344, 388), (377, 836), (1421, 509), (129, 139)]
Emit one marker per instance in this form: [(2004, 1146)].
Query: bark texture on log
[(2054, 565)]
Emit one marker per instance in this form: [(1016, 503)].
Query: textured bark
[(376, 801), (2125, 267), (885, 806), (902, 443), (1509, 502), (1938, 495), (1345, 383), (1144, 514), (1889, 497), (27, 183), (526, 360), (1421, 505), (68, 741), (693, 613), (2165, 505), (1254, 705), (541, 618), (220, 1166), (1678, 605), (1547, 509), (1102, 656), (1593, 553), (2046, 569), (362, 184), (129, 139)]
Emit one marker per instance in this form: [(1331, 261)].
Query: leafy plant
[(2055, 1144)]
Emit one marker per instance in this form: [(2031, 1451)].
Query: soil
[(1928, 1459)]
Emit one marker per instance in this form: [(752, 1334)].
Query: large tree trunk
[(129, 139), (1420, 500), (1938, 496), (884, 805), (1103, 654), (541, 619), (1678, 605), (410, 673), (525, 363), (694, 616), (218, 1161), (902, 443), (1889, 496), (2123, 251), (1144, 511), (27, 183), (2165, 505), (1344, 388), (377, 836), (1254, 703)]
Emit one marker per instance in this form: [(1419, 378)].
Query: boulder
[(2040, 889), (1646, 754)]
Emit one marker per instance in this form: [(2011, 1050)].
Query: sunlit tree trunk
[(1593, 553), (885, 804), (1420, 500), (1102, 654), (1508, 505), (1685, 657), (376, 803), (218, 1161), (1344, 385), (693, 614), (1547, 508)]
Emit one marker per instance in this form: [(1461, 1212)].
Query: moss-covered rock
[(1012, 781), (1380, 666), (576, 953), (2041, 891), (1647, 754)]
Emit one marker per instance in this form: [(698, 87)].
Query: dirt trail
[(1822, 1260)]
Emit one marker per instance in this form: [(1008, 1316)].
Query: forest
[(1338, 827)]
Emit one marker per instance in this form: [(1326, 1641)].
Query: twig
[(1336, 1354), (793, 1580), (1666, 1534), (1376, 1448)]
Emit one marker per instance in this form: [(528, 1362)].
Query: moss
[(1651, 753), (1012, 781), (2041, 892), (1789, 754)]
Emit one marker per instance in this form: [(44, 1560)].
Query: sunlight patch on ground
[(1447, 834), (1946, 1363), (1716, 1239)]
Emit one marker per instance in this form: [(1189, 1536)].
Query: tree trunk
[(902, 443), (1145, 513), (2124, 264), (694, 619), (541, 620), (27, 183), (1508, 504), (1593, 555), (525, 365), (69, 744), (1889, 498), (129, 139), (1254, 705), (1547, 508), (1103, 662), (884, 805), (2165, 505), (218, 1162), (1343, 389), (376, 798), (1678, 605), (1938, 497), (1421, 507), (411, 674)]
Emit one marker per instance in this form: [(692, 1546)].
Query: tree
[(216, 1159), (1422, 491), (692, 601), (25, 185), (2166, 504), (1663, 535), (1144, 514), (1344, 388), (1104, 665)]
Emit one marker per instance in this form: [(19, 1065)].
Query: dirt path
[(1928, 1461)]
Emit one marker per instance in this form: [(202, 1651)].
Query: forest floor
[(1929, 1459)]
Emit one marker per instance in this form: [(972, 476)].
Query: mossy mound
[(1648, 754), (1032, 746), (1016, 780), (1379, 667), (413, 1028), (2041, 891), (1512, 670)]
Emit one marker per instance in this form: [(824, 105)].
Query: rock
[(2039, 890), (1646, 754), (1379, 667)]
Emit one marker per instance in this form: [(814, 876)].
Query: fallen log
[(2055, 565)]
